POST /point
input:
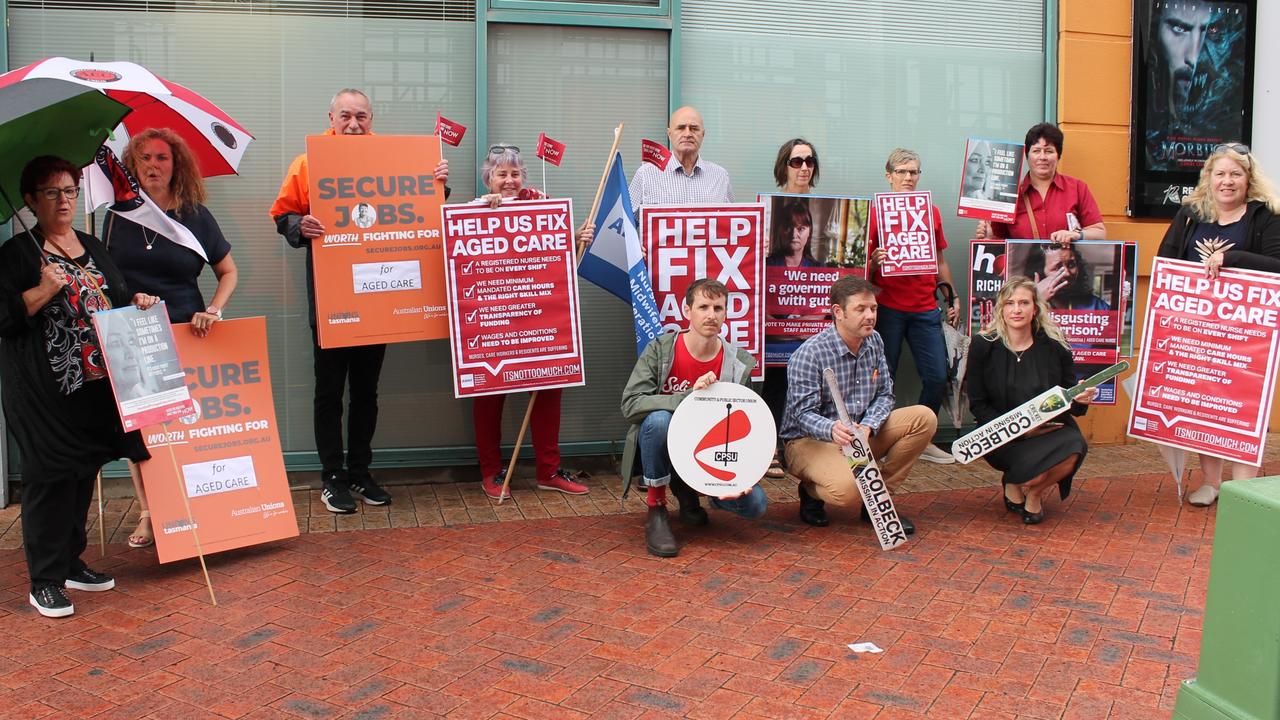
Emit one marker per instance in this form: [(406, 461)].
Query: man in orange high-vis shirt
[(350, 113)]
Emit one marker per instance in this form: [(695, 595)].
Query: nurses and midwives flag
[(613, 259)]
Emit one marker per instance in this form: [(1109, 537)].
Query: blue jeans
[(656, 464), (923, 333)]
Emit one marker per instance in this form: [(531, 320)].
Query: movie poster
[(1192, 90), (813, 240), (989, 180)]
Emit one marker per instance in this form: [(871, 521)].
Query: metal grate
[(449, 10)]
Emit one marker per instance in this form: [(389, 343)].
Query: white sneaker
[(935, 454), (1203, 496)]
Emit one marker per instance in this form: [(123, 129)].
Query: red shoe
[(564, 482), (492, 487)]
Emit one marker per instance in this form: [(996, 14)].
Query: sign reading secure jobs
[(379, 269)]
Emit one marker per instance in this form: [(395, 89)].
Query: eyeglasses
[(1233, 147), (797, 162), (499, 149), (52, 193), (902, 172)]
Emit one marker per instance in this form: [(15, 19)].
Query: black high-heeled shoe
[(1012, 506), (1032, 518)]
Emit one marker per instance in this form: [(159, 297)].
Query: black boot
[(657, 533), (812, 510), (691, 512)]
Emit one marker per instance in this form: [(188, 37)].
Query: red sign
[(986, 277), (226, 458), (513, 297), (449, 131), (905, 224), (550, 150), (1207, 371), (656, 153), (143, 365), (723, 242)]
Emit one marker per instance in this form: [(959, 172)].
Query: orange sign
[(379, 268), (226, 458)]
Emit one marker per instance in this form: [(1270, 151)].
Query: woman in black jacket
[(57, 399), (1231, 219)]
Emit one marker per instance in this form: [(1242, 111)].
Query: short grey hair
[(506, 156), (348, 91), (900, 156)]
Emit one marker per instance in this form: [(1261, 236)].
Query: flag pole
[(533, 396), (195, 533)]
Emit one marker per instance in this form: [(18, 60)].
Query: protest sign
[(986, 277), (905, 227), (814, 241), (1128, 297), (721, 439), (1207, 369), (989, 180), (225, 458), (550, 150), (378, 268), (449, 131), (513, 297), (722, 242), (1084, 285), (142, 362), (655, 153)]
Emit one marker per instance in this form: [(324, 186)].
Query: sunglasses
[(1233, 147), (798, 162), (499, 149)]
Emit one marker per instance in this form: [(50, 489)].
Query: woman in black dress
[(57, 400), (1231, 220), (166, 168), (1022, 354)]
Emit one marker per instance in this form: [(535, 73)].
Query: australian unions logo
[(96, 75)]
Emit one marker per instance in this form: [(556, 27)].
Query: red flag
[(652, 152), (449, 131), (550, 150)]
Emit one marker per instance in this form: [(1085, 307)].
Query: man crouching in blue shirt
[(810, 427)]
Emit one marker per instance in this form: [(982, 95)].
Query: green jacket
[(641, 397)]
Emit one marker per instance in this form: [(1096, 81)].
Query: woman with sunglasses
[(1229, 220), (57, 400), (796, 169), (503, 172)]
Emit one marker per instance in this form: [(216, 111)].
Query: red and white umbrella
[(217, 141)]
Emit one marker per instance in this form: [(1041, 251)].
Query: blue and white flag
[(613, 259)]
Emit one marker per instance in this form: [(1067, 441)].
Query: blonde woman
[(1231, 219), (1020, 355)]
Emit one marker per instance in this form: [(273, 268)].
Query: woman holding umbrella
[(155, 264), (56, 399)]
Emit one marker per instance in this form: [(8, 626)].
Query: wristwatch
[(215, 311)]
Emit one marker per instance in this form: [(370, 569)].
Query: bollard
[(1239, 671)]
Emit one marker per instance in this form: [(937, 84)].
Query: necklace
[(150, 241), (1017, 354)]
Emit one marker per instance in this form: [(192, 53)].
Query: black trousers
[(335, 369), (53, 534)]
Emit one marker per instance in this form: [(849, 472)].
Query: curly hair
[(187, 185), (1042, 322), (1200, 200)]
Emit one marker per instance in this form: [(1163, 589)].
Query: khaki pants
[(822, 466)]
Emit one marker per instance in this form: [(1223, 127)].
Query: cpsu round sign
[(721, 439)]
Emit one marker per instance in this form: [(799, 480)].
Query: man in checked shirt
[(810, 427)]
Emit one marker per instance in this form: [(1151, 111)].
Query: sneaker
[(935, 454), (363, 485), (51, 601), (337, 495), (492, 487), (564, 482), (89, 580)]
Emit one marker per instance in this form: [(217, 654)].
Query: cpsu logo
[(95, 75), (735, 426)]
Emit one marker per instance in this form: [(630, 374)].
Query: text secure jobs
[(387, 187)]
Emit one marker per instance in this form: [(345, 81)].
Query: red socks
[(657, 496)]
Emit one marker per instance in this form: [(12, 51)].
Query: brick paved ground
[(1094, 614)]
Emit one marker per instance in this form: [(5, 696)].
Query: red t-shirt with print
[(686, 369)]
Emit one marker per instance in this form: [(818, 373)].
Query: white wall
[(1266, 89)]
